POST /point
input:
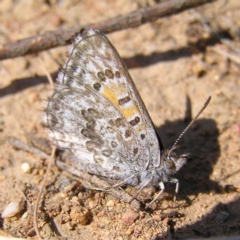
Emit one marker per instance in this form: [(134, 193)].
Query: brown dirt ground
[(169, 59)]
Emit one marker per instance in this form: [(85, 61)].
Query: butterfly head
[(172, 162)]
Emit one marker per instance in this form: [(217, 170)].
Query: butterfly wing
[(97, 113)]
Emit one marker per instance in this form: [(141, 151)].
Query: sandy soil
[(169, 60)]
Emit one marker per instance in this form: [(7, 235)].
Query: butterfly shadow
[(222, 220), (198, 46), (201, 142), (19, 85)]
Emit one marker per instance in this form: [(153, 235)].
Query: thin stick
[(18, 144), (62, 37), (50, 80), (51, 161), (233, 57)]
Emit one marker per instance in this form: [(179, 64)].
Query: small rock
[(79, 215), (156, 217), (129, 217), (165, 222), (25, 215), (92, 204), (100, 214), (110, 203), (75, 199), (26, 168), (222, 216), (13, 208), (129, 231)]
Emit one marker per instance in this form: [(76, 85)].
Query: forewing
[(95, 63)]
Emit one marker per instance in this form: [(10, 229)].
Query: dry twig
[(51, 161), (233, 57), (62, 37)]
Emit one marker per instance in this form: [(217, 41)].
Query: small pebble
[(129, 217), (92, 204), (26, 168), (79, 216), (25, 215), (110, 203), (13, 208), (222, 216)]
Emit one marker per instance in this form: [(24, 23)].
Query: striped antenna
[(189, 125)]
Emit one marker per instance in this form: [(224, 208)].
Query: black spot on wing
[(135, 121), (124, 100), (101, 76), (97, 86), (109, 74)]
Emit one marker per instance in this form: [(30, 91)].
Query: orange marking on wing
[(112, 94)]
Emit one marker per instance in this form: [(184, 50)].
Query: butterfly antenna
[(190, 124)]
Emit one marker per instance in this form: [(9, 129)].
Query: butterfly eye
[(170, 166)]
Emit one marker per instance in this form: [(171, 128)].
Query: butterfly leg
[(176, 181), (123, 182), (141, 188), (95, 180), (162, 187)]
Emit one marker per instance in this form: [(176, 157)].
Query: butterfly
[(97, 114)]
